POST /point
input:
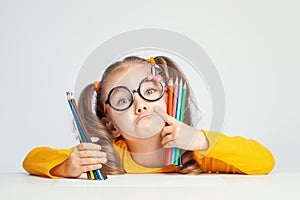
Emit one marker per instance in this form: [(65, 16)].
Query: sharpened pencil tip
[(184, 86), (170, 83), (69, 95), (180, 82)]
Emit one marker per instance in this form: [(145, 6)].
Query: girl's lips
[(141, 118)]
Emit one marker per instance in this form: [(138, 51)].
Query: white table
[(156, 186)]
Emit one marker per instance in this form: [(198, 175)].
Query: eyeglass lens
[(121, 98)]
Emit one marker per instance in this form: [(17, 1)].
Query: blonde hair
[(97, 129)]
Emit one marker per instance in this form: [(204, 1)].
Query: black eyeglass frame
[(138, 90)]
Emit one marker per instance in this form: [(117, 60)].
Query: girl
[(133, 129)]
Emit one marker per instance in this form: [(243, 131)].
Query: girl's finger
[(167, 130), (162, 113), (91, 167), (88, 146), (92, 154), (169, 144), (167, 139), (92, 161)]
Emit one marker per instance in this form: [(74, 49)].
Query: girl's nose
[(140, 104)]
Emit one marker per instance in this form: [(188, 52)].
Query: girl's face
[(139, 121)]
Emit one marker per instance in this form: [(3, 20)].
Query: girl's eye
[(149, 91), (123, 101)]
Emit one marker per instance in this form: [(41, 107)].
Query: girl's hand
[(180, 135), (84, 157)]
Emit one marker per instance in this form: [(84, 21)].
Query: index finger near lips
[(162, 113)]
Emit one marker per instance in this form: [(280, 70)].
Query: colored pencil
[(175, 100), (170, 97), (175, 97), (91, 174), (82, 137), (181, 117), (95, 174), (177, 116), (179, 97), (168, 151)]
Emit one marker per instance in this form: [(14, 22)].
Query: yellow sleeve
[(41, 160), (248, 156)]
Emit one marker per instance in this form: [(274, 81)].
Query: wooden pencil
[(168, 151), (95, 174)]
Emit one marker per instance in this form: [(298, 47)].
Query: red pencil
[(168, 151)]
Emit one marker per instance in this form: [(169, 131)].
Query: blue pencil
[(96, 174), (179, 98), (82, 137), (80, 130)]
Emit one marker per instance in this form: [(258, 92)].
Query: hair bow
[(156, 78)]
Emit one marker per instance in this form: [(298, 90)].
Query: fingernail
[(159, 110)]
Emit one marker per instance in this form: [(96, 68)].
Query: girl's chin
[(146, 133)]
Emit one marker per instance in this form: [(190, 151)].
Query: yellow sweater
[(224, 155)]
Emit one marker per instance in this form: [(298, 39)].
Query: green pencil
[(181, 117)]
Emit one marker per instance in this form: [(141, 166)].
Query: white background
[(254, 45)]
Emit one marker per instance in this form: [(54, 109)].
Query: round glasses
[(120, 98)]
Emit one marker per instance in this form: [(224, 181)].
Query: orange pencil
[(170, 97), (168, 151)]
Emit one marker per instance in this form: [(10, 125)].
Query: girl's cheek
[(163, 102), (124, 120)]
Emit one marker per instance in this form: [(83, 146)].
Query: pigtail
[(95, 128)]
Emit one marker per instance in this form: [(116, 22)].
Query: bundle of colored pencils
[(175, 108), (95, 174)]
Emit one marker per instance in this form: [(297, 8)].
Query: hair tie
[(151, 60), (97, 85)]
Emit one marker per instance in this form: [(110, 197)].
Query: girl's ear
[(110, 126)]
